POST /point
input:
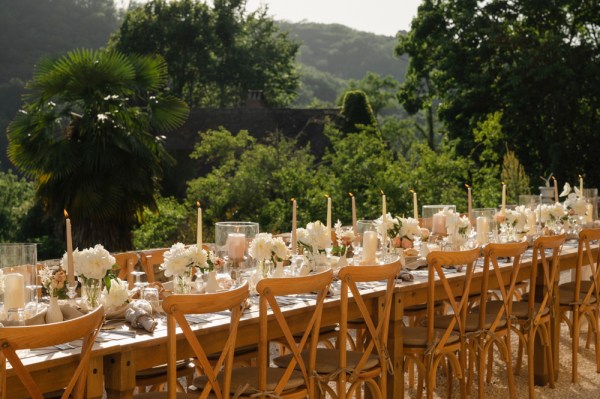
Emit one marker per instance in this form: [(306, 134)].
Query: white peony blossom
[(318, 235), (391, 223), (280, 250), (117, 295), (176, 260), (198, 257), (261, 246), (93, 262), (410, 228)]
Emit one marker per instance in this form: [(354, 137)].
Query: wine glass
[(138, 283)]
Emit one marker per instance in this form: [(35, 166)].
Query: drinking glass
[(530, 201), (591, 196), (429, 211), (228, 238), (150, 294)]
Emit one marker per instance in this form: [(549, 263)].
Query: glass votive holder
[(530, 201), (150, 294), (591, 196), (486, 227), (233, 238), (433, 218)]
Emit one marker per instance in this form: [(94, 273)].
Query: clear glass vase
[(92, 291), (182, 283)]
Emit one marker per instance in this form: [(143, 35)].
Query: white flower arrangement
[(410, 228), (264, 247), (94, 262), (551, 212), (118, 294), (344, 239), (389, 225), (575, 201), (315, 238), (518, 218), (180, 260)]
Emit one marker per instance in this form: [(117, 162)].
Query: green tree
[(256, 181), (381, 91), (168, 225), (89, 135), (536, 61), (356, 111), (215, 55), (16, 199)]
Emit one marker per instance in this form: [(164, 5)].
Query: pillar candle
[(199, 227), (580, 186), (483, 230), (329, 217), (14, 291), (369, 247), (236, 245), (384, 218), (438, 224), (415, 208), (503, 209), (555, 189), (589, 216), (70, 260), (294, 227), (354, 227), (469, 201)]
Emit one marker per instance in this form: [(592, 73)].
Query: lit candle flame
[(350, 194), (326, 195), (504, 184), (382, 193), (411, 190), (581, 177), (198, 204), (553, 178), (467, 186), (66, 213), (293, 199)]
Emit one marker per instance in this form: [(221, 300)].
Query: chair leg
[(519, 356), (481, 371), (530, 371), (575, 344), (597, 336), (490, 363), (509, 368)]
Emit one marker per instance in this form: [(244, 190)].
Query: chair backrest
[(549, 272), (436, 261), (126, 261), (506, 285), (268, 289), (177, 306), (39, 336), (377, 325), (584, 248), (151, 260)]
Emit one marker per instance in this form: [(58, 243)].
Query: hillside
[(332, 54)]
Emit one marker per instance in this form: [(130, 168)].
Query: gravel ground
[(588, 385)]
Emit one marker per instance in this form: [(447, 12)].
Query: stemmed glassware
[(138, 283)]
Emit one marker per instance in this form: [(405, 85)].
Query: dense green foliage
[(537, 62), (16, 199), (87, 135), (356, 111), (168, 225), (215, 54)]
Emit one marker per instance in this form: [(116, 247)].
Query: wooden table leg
[(395, 386), (95, 378), (119, 375)]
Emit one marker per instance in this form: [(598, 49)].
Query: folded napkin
[(139, 315), (405, 275)]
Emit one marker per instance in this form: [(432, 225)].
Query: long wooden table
[(116, 359)]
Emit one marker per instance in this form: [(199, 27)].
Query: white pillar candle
[(384, 219), (354, 227), (199, 227), (70, 260), (589, 215), (438, 224), (236, 245), (483, 230), (294, 228), (415, 207), (469, 202), (555, 189), (329, 217), (503, 210), (369, 247), (14, 291)]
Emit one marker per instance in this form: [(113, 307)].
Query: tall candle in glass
[(369, 247)]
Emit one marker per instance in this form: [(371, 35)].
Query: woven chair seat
[(328, 360), (416, 337), (472, 322), (248, 377)]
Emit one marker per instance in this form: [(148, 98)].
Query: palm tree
[(90, 134)]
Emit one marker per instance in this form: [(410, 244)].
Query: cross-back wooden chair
[(39, 336), (494, 314), (369, 366), (126, 262), (428, 346), (295, 380), (217, 375), (150, 260), (582, 297), (533, 315)]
